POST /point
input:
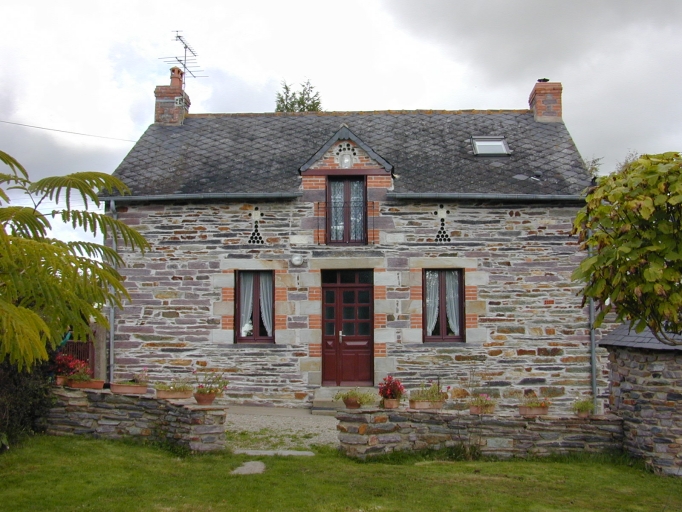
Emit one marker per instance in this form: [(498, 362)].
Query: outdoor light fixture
[(297, 260)]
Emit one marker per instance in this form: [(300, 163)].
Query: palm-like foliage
[(48, 286)]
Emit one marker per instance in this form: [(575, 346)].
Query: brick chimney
[(545, 101), (172, 103)]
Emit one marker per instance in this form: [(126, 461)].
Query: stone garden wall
[(373, 432), (105, 415), (646, 391)]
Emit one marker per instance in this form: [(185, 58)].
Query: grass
[(59, 474), (270, 439)]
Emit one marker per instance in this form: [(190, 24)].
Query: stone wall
[(646, 391), (105, 415), (373, 432), (525, 327)]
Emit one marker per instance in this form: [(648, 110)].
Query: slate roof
[(430, 151), (622, 336)]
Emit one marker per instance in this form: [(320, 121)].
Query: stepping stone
[(253, 467), (281, 453)]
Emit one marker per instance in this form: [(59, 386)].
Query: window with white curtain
[(346, 203), (443, 305), (254, 321)]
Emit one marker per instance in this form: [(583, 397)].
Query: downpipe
[(112, 306)]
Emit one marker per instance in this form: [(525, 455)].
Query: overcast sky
[(91, 66)]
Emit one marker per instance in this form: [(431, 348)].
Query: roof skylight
[(490, 145)]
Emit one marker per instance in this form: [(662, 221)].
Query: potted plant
[(136, 386), (175, 390), (209, 387), (583, 407), (354, 398), (431, 397), (481, 404), (81, 377), (391, 391), (64, 365), (532, 405)]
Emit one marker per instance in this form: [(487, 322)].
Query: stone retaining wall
[(101, 414), (372, 432), (646, 391)]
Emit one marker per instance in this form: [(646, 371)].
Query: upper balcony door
[(347, 211), (347, 328)]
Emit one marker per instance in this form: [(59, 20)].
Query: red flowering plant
[(66, 364), (213, 382), (391, 388), (81, 371)]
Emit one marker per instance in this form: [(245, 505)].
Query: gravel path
[(261, 428)]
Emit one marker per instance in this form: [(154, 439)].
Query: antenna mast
[(188, 61)]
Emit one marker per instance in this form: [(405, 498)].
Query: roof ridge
[(359, 112)]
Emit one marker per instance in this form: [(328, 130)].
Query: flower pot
[(426, 404), (524, 410), (60, 380), (391, 403), (128, 389), (205, 398), (583, 414), (85, 384), (173, 394), (481, 409), (351, 403)]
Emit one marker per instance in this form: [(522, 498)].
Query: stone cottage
[(307, 251)]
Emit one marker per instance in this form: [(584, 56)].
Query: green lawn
[(49, 473)]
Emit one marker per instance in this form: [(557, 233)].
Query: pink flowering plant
[(391, 388), (212, 382), (482, 400)]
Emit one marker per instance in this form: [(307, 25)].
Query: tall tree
[(631, 227), (305, 100), (47, 286)]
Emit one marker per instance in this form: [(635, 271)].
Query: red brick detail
[(549, 302), (416, 293), (320, 236), (471, 321), (416, 321), (227, 322), (379, 292), (379, 182), (319, 209), (373, 236), (373, 208), (314, 183), (315, 293), (550, 331), (471, 293), (380, 350), (315, 321), (315, 350), (379, 320), (545, 100), (281, 294), (470, 269), (227, 294), (280, 322)]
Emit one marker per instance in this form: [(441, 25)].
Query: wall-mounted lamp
[(297, 260)]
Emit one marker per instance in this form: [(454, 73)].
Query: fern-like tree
[(305, 100), (631, 227), (48, 286)]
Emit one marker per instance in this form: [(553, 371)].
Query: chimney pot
[(545, 101)]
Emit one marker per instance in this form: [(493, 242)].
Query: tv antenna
[(188, 61)]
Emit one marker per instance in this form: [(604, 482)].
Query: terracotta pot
[(481, 409), (128, 389), (205, 398), (391, 403), (85, 384), (351, 403), (172, 394), (584, 414), (425, 404), (60, 380), (524, 410)]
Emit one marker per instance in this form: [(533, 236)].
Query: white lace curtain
[(266, 300), (432, 300), (452, 300)]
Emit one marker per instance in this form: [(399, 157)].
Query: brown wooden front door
[(347, 328)]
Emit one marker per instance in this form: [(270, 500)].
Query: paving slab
[(253, 467), (271, 453)]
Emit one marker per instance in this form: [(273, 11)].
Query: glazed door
[(347, 328)]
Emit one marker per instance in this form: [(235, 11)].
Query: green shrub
[(24, 402)]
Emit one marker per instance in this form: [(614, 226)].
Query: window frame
[(346, 179), (442, 312), (490, 138), (256, 312)]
